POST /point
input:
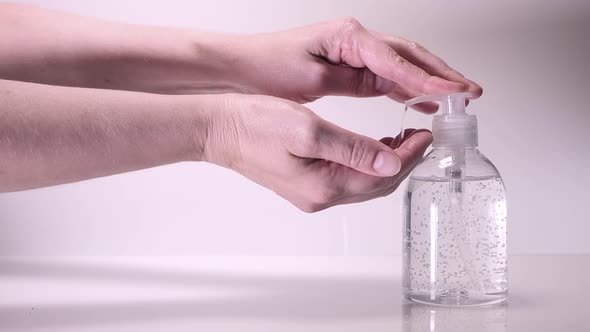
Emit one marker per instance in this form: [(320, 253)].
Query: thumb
[(356, 151)]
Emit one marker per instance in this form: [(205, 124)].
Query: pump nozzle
[(452, 129), (451, 126), (451, 103)]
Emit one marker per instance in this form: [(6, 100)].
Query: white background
[(531, 57)]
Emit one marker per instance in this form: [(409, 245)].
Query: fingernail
[(386, 163)]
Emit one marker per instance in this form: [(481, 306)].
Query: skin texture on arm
[(51, 47), (51, 135)]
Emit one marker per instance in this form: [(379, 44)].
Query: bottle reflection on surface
[(425, 318)]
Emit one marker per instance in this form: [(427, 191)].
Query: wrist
[(194, 117), (220, 121), (209, 64), (240, 62), (232, 63)]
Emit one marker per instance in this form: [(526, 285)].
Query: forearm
[(51, 135), (44, 46)]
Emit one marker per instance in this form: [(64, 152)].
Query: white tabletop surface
[(547, 293)]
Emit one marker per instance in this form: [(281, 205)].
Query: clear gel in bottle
[(454, 236)]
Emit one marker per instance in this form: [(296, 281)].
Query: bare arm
[(51, 47), (51, 135), (339, 57)]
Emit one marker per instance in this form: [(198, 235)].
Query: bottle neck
[(454, 130)]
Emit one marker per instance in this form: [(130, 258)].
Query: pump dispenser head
[(451, 126)]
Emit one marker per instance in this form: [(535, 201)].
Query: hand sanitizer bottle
[(454, 232)]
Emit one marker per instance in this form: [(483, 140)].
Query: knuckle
[(303, 139), (416, 46), (351, 21), (358, 152), (395, 58), (310, 136), (351, 24), (397, 63)]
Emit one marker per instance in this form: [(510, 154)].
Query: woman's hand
[(310, 162), (52, 135), (341, 57)]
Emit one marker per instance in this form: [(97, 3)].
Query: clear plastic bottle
[(454, 237)]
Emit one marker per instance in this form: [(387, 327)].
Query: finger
[(359, 187), (412, 149), (431, 63), (387, 63), (386, 191), (369, 186), (411, 152), (362, 82), (399, 139), (358, 152)]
